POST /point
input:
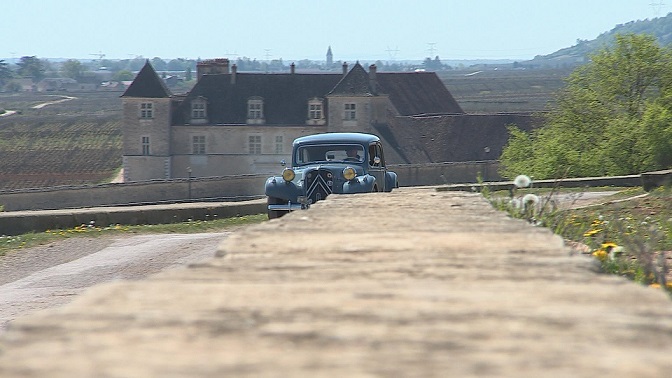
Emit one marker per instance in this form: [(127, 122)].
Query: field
[(76, 141), (493, 91)]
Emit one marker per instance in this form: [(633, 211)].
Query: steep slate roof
[(412, 93), (285, 96), (451, 138), (354, 83), (147, 84)]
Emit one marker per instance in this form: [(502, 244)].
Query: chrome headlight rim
[(349, 173), (288, 174)]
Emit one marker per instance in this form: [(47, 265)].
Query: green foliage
[(72, 68), (123, 75), (611, 119), (32, 67), (5, 73)]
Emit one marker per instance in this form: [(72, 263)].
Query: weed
[(630, 238), (8, 243)]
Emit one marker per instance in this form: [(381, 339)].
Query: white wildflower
[(530, 200), (522, 181)]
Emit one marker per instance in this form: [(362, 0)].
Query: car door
[(377, 165)]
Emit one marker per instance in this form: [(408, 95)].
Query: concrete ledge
[(414, 283), (652, 180), (21, 222)]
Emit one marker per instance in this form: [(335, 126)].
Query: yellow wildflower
[(600, 254), (592, 232)]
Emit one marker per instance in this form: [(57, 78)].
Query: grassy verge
[(628, 232), (8, 243)]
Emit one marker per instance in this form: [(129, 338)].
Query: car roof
[(337, 138)]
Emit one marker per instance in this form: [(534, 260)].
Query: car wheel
[(272, 214)]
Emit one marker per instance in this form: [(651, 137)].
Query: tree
[(123, 75), (159, 64), (32, 67), (5, 73), (72, 68), (604, 117)]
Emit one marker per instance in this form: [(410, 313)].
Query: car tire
[(273, 214)]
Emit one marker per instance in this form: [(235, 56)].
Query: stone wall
[(446, 173), (239, 187), (232, 188)]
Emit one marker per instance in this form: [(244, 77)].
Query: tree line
[(613, 117), (37, 69)]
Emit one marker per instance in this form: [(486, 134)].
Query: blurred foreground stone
[(412, 283)]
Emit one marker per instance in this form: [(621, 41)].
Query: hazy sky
[(303, 29)]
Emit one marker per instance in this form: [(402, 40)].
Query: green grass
[(629, 232), (10, 243)]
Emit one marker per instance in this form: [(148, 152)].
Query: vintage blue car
[(323, 164)]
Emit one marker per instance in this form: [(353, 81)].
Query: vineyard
[(495, 91), (73, 142)]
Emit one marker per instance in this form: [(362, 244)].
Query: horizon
[(390, 30)]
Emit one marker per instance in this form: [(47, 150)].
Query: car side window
[(376, 151)]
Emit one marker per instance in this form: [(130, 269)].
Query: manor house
[(234, 123)]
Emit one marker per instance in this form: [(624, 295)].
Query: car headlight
[(349, 173), (288, 174)]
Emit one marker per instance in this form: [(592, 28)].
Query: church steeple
[(330, 58)]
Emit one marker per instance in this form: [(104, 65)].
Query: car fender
[(360, 184), (391, 181), (277, 187)]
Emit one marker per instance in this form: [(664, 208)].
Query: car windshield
[(353, 153)]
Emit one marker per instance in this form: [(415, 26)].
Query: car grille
[(319, 184)]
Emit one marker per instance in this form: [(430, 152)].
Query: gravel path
[(46, 276)]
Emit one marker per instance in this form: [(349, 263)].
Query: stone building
[(234, 123)]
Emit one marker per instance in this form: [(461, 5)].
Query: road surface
[(51, 275)]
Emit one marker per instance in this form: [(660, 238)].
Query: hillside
[(660, 27)]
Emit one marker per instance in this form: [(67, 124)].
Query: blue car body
[(325, 164)]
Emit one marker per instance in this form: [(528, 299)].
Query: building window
[(198, 144), (255, 109), (146, 110), (315, 110), (254, 144), (198, 109), (350, 112), (145, 145), (278, 144)]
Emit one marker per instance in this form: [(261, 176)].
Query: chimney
[(345, 68), (373, 83), (212, 66), (234, 70), (292, 68)]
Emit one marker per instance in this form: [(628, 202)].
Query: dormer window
[(146, 110), (199, 111), (255, 111), (350, 112), (315, 112)]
